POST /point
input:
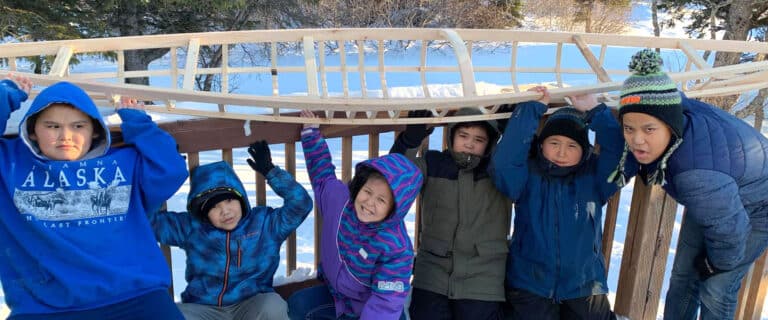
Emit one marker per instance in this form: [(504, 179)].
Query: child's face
[(646, 136), (561, 150), (226, 214), (471, 140), (374, 201), (63, 132)]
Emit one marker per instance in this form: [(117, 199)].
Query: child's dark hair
[(362, 174), (98, 130)]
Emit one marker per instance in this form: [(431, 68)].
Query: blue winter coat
[(555, 248), (720, 174), (226, 267)]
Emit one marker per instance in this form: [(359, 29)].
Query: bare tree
[(558, 15), (421, 13)]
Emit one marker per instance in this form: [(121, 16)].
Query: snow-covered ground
[(408, 87)]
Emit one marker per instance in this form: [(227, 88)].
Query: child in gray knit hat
[(714, 164), (559, 187)]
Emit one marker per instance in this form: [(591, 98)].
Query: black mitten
[(261, 159), (415, 133), (507, 107), (705, 268)]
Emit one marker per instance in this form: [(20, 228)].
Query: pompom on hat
[(649, 90)]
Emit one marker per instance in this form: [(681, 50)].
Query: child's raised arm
[(316, 154), (296, 201), (608, 134), (509, 163), (13, 91), (163, 168)]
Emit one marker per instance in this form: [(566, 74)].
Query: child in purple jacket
[(366, 254)]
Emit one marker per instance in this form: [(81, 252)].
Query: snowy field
[(405, 87)]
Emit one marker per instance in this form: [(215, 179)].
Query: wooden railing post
[(290, 243), (651, 220)]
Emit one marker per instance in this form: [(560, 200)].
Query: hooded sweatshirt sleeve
[(712, 200), (11, 98), (387, 302), (296, 203), (322, 172), (161, 167), (509, 163), (608, 135)]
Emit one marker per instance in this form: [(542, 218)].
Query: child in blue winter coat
[(366, 256), (233, 250), (555, 269), (714, 164), (76, 243)]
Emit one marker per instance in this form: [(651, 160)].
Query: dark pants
[(429, 305), (522, 305), (314, 303), (156, 305)]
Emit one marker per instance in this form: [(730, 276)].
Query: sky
[(403, 86)]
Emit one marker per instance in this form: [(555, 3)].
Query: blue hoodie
[(227, 267), (74, 235)]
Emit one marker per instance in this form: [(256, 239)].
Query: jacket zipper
[(555, 298), (239, 253), (226, 273)]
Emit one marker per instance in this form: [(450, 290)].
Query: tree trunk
[(129, 23), (588, 17), (139, 60), (655, 18), (737, 24)]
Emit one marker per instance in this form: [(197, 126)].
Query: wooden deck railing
[(646, 245), (340, 89), (335, 84)]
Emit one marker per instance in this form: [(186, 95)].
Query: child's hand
[(544, 93), (23, 82), (261, 158), (129, 103), (309, 114), (584, 102)]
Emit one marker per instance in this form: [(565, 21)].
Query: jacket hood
[(211, 180), (491, 126), (66, 93), (404, 180)]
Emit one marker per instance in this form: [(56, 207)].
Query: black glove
[(507, 107), (261, 159), (705, 268), (415, 133)]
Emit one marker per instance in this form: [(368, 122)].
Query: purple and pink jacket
[(367, 266)]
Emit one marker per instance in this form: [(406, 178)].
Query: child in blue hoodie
[(555, 269), (233, 250), (76, 243)]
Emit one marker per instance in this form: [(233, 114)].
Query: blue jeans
[(313, 303), (718, 295), (155, 305)]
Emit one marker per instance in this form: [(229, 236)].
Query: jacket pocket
[(435, 247), (490, 258)]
